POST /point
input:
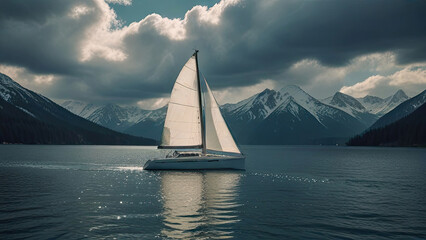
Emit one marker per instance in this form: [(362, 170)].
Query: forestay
[(182, 127), (218, 136)]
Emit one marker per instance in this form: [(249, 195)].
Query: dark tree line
[(408, 131)]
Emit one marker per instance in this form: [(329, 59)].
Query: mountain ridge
[(351, 106), (38, 120), (381, 106)]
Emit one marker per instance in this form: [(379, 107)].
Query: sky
[(130, 52)]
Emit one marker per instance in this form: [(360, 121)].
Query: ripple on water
[(287, 177)]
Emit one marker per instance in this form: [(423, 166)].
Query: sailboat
[(191, 126)]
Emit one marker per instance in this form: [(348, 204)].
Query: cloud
[(153, 103), (362, 89), (235, 94), (103, 38), (120, 2), (79, 10), (34, 82), (314, 77), (411, 78), (323, 80), (412, 75), (93, 56)]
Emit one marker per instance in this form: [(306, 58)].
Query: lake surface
[(286, 192)]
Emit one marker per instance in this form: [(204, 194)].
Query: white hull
[(196, 163)]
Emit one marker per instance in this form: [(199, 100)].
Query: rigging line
[(203, 77), (186, 86), (205, 81), (183, 105), (214, 98)]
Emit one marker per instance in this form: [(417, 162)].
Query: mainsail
[(182, 127), (218, 136)]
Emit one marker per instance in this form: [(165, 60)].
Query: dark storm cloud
[(252, 40), (331, 31), (38, 11), (37, 35)]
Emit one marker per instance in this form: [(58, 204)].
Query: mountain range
[(285, 116), (30, 118)]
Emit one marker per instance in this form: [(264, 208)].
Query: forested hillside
[(408, 131)]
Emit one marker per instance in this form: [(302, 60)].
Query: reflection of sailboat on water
[(186, 127), (199, 205)]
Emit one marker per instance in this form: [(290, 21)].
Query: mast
[(203, 131)]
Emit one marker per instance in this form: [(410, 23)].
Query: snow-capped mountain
[(345, 103), (151, 125), (111, 116), (320, 111), (380, 106), (28, 117), (15, 94), (255, 108), (80, 108), (288, 116), (127, 119), (261, 105), (401, 110), (351, 106)]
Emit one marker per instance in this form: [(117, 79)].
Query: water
[(287, 192)]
